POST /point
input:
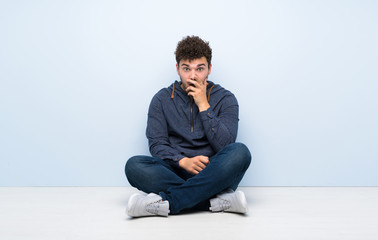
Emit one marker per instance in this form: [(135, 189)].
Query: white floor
[(275, 213)]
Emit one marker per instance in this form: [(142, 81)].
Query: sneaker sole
[(132, 200), (243, 201)]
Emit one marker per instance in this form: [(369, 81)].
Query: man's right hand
[(195, 164)]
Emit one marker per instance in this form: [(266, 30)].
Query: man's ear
[(210, 69), (177, 68)]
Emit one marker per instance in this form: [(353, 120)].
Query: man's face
[(197, 70)]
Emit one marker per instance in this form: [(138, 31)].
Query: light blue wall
[(76, 79)]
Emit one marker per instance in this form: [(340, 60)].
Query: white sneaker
[(140, 205), (229, 201)]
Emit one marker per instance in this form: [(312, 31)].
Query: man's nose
[(193, 74)]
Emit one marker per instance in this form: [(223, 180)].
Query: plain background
[(76, 79)]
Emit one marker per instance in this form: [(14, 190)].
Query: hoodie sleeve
[(157, 134), (221, 129)]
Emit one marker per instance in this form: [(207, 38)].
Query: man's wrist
[(180, 162), (203, 107)]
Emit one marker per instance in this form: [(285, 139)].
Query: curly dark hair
[(193, 47)]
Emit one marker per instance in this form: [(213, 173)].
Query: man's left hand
[(197, 90)]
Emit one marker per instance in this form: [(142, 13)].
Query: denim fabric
[(184, 190)]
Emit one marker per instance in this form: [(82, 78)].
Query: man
[(191, 130)]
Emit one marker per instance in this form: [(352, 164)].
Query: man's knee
[(130, 164), (133, 165), (241, 155)]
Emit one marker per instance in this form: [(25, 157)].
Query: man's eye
[(200, 69), (186, 69)]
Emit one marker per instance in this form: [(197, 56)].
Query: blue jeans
[(184, 190)]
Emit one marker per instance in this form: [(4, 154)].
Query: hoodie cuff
[(207, 115), (209, 119), (175, 160)]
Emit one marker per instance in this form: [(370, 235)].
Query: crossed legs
[(183, 190)]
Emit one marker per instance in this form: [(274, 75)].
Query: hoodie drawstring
[(208, 95), (173, 91)]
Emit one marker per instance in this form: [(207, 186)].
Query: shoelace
[(224, 204), (153, 207)]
